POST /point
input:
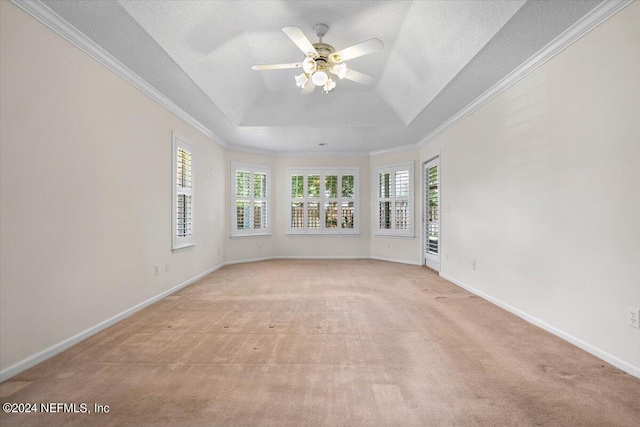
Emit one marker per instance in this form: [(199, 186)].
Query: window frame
[(181, 243), (322, 199), (393, 231), (253, 169)]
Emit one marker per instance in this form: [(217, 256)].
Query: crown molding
[(400, 149), (588, 22), (331, 154), (55, 22), (290, 154)]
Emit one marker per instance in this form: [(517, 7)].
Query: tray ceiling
[(438, 57)]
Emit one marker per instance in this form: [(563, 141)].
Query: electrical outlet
[(459, 260), (447, 256), (389, 245), (166, 267), (218, 252), (633, 317), (473, 264), (156, 270)]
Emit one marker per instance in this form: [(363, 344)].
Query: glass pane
[(259, 215), (385, 215), (331, 214), (348, 213), (331, 186), (297, 215), (297, 186), (243, 184), (433, 223), (347, 186), (313, 214), (402, 215), (402, 183), (260, 185), (385, 185), (184, 219), (242, 215), (313, 186), (184, 168)]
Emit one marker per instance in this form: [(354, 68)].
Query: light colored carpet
[(339, 343)]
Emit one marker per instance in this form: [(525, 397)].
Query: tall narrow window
[(395, 200), (249, 200), (323, 201), (433, 211), (183, 213), (432, 195)]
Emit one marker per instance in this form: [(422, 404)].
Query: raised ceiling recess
[(438, 57)]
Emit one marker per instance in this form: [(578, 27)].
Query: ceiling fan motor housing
[(324, 51)]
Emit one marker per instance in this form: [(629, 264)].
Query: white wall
[(543, 188), (86, 192)]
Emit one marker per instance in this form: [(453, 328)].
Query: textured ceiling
[(438, 57)]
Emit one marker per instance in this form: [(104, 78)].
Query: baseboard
[(399, 261), (69, 342), (244, 261), (321, 257), (607, 357)]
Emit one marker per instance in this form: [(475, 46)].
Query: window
[(182, 194), (323, 201), (395, 200), (250, 200)]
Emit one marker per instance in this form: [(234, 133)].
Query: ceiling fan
[(322, 59)]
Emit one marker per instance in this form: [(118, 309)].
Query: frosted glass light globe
[(301, 80), (309, 65), (329, 86), (319, 78), (339, 70)]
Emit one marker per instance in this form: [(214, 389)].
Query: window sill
[(395, 236), (293, 233), (183, 248), (241, 236)]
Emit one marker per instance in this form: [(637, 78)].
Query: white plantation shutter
[(249, 200), (432, 181), (323, 200), (183, 213), (395, 200)]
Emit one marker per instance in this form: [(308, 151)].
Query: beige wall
[(279, 244), (248, 248), (86, 192), (543, 188), (321, 246), (401, 249)]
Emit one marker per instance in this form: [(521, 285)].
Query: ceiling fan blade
[(361, 49), (308, 88), (297, 36), (359, 77), (276, 66)]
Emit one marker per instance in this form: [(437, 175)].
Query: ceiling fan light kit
[(321, 59)]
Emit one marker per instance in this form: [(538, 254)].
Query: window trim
[(181, 243), (253, 169), (322, 171), (393, 232)]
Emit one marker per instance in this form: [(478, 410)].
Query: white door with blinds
[(431, 239)]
